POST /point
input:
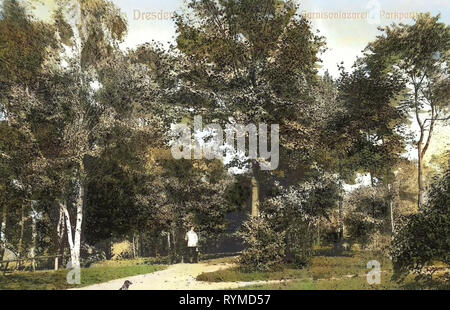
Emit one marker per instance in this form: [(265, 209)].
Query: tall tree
[(251, 62), (60, 111), (24, 46), (95, 31), (419, 53)]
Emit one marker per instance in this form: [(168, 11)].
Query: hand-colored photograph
[(230, 145)]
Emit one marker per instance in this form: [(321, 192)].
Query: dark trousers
[(192, 254)]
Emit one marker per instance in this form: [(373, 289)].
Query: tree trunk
[(134, 246), (391, 209), (392, 216), (168, 241), (420, 177), (79, 221), (33, 236), (22, 230), (60, 235), (341, 220), (3, 231), (372, 181), (255, 197), (74, 242), (318, 235), (423, 143)]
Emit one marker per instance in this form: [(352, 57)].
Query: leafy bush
[(122, 250), (379, 244), (358, 227), (367, 218), (423, 238), (91, 254), (285, 231), (299, 243), (265, 247)]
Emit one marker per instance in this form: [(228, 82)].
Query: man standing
[(192, 241)]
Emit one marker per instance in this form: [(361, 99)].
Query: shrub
[(423, 238), (299, 243), (122, 250), (264, 246), (91, 254), (358, 227), (285, 231), (379, 244)]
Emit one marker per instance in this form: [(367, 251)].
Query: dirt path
[(176, 277)]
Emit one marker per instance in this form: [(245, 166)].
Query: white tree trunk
[(168, 239), (22, 230), (33, 216), (3, 231), (75, 239), (341, 220), (3, 226), (392, 216), (60, 234), (79, 221)]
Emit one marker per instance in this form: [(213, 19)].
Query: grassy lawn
[(358, 283), (97, 273), (235, 274), (325, 267), (324, 273)]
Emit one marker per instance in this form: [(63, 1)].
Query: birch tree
[(90, 31), (115, 98)]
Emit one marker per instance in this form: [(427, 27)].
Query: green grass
[(98, 273), (324, 273), (357, 283), (237, 275), (325, 267)]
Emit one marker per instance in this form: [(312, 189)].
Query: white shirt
[(192, 238)]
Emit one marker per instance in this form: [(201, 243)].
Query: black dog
[(125, 286)]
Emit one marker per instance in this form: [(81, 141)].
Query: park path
[(176, 277)]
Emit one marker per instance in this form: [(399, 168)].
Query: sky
[(346, 37), (342, 22), (348, 25)]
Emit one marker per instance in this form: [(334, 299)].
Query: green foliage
[(291, 215), (422, 238), (265, 247), (300, 242), (253, 61), (100, 121), (23, 44), (368, 129), (367, 212), (325, 273), (418, 54)]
